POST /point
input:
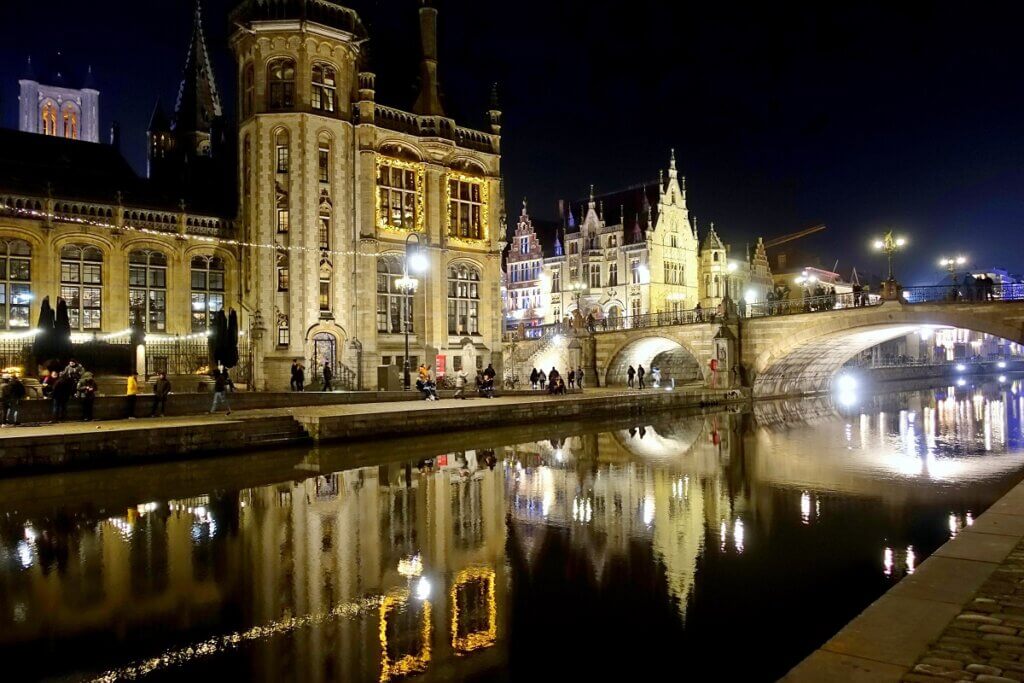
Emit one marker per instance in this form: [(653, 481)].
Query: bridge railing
[(660, 319), (958, 293), (814, 304)]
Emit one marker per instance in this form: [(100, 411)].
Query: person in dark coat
[(161, 390), (87, 390), (572, 379), (62, 391), (221, 383), (295, 376), (534, 378), (640, 373), (630, 374), (300, 378), (328, 376)]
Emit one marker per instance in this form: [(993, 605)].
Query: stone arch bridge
[(789, 355)]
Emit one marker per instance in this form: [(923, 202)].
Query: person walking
[(630, 374), (132, 395), (542, 379), (656, 377), (579, 378), (328, 375), (460, 384), (87, 392), (15, 395), (640, 374), (295, 375), (221, 383), (572, 379), (300, 378), (161, 390), (533, 379)]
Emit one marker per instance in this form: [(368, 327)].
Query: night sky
[(783, 115)]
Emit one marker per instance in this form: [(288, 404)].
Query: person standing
[(300, 378), (714, 373), (542, 379), (161, 390), (328, 376), (579, 378), (533, 379), (630, 374), (87, 392), (572, 379), (640, 374), (295, 375), (14, 398), (132, 394), (460, 384), (62, 390), (221, 382)]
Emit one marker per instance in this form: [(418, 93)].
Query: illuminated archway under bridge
[(674, 359)]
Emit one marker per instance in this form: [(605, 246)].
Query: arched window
[(15, 284), (70, 122), (324, 88), (283, 151), (207, 290), (324, 161), (81, 285), (324, 223), (613, 275), (463, 300), (283, 277), (281, 84), (49, 117), (389, 297), (147, 290), (284, 333), (326, 276), (248, 90)]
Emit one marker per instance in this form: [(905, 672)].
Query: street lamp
[(890, 245), (951, 263), (417, 261)]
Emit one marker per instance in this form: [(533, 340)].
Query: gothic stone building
[(330, 186), (646, 260)]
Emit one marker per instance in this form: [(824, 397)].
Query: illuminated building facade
[(58, 110)]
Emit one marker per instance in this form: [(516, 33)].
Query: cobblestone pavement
[(985, 642)]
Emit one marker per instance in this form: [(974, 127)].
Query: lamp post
[(951, 263), (577, 290), (890, 245), (415, 258)]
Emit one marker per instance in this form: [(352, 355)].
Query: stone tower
[(55, 108), (714, 271), (197, 113)]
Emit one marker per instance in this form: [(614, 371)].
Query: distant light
[(846, 383), (751, 296), (558, 339), (900, 242), (961, 382), (559, 455), (418, 262), (879, 244), (422, 588), (1002, 364), (1002, 379), (960, 367)]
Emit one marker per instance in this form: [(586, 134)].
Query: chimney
[(429, 102)]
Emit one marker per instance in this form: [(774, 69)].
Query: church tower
[(53, 107), (197, 113)]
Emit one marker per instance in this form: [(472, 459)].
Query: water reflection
[(450, 566)]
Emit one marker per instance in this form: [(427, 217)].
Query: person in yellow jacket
[(132, 394)]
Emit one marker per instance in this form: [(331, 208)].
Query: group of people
[(298, 381), (12, 390), (426, 382), (553, 383), (974, 288), (637, 377), (73, 381)]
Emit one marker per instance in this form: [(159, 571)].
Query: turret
[(429, 101)]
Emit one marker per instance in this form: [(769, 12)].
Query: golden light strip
[(411, 663), (381, 216), (477, 639), (485, 192), (218, 644)]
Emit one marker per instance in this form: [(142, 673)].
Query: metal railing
[(958, 293), (813, 304)]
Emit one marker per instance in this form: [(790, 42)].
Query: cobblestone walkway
[(985, 642)]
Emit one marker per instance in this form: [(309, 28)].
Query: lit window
[(613, 275), (595, 275), (284, 334), (467, 204), (324, 88), (325, 286), (283, 220), (324, 225), (634, 269), (463, 300), (556, 281), (147, 290), (399, 195), (49, 116), (207, 290), (15, 284), (81, 285), (284, 157), (281, 84), (282, 271), (390, 304), (70, 123)]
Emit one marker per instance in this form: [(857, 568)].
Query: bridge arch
[(676, 359), (801, 354)]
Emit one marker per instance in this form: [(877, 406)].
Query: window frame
[(207, 293), (281, 90), (85, 286), (464, 285), (467, 197), (150, 290), (9, 284), (390, 310), (386, 189), (324, 95)]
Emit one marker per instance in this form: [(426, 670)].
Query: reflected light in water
[(738, 535)]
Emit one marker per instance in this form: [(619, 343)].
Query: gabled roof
[(712, 241), (629, 207), (198, 101)]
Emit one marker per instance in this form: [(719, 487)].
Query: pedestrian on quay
[(87, 390), (542, 379), (630, 374), (572, 379), (48, 382), (132, 394), (656, 377), (15, 395), (328, 375), (300, 378), (579, 378), (221, 383), (63, 388), (161, 390), (460, 384), (5, 398), (534, 379), (640, 374), (295, 376), (554, 377)]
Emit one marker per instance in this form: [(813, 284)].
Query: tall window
[(389, 297), (49, 116), (634, 271), (147, 290), (248, 90), (283, 278), (325, 286), (207, 290), (635, 308), (70, 123), (283, 152), (613, 275), (324, 225), (324, 161), (524, 245), (397, 195), (15, 284), (466, 208), (281, 84), (613, 241), (324, 87), (556, 281), (595, 275), (284, 333), (81, 285), (463, 300)]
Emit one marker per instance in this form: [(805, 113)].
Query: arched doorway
[(325, 351)]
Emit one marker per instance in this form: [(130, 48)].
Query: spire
[(429, 101), (158, 122), (198, 101), (672, 161), (572, 218), (90, 80), (30, 71), (638, 235), (558, 244), (592, 205)]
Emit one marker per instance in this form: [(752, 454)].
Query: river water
[(733, 543)]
